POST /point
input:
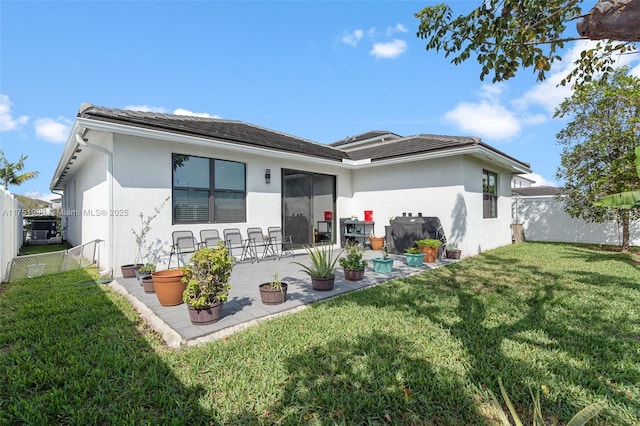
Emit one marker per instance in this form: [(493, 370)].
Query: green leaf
[(622, 200), (507, 400), (587, 413)]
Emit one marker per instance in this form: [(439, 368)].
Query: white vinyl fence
[(11, 225), (543, 219)]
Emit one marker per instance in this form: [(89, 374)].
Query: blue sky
[(319, 70)]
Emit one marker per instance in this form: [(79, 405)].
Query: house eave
[(70, 148), (477, 151)]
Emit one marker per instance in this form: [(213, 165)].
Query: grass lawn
[(422, 350), (42, 248)]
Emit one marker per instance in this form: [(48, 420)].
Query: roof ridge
[(86, 108), (289, 135)]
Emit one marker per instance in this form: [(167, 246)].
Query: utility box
[(43, 229)]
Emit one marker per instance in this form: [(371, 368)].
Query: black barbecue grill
[(404, 231)]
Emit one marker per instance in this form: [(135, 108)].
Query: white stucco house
[(221, 174)]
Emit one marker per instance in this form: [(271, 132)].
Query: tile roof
[(227, 130), (420, 144), (363, 136), (409, 145), (247, 134)]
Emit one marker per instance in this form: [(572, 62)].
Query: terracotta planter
[(414, 259), (168, 286), (382, 265), (453, 254), (430, 254), (274, 296), (147, 284), (353, 274), (129, 271), (206, 315), (323, 284), (377, 243)]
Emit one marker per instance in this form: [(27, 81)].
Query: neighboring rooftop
[(537, 191)]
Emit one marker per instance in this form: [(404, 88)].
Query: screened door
[(306, 197)]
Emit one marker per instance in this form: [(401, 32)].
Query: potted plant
[(377, 243), (274, 292), (168, 286), (353, 263), (430, 248), (452, 251), (323, 266), (146, 280), (413, 256), (207, 283), (146, 270), (383, 264), (131, 270)]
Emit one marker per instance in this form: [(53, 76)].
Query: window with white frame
[(208, 190)]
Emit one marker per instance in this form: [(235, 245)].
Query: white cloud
[(353, 37), (485, 119), (391, 49), (398, 28), (180, 111), (53, 130), (146, 108), (539, 180), (546, 94), (7, 121), (549, 94)]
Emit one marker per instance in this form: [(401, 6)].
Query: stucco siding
[(448, 188), (86, 211), (486, 233), (142, 181)]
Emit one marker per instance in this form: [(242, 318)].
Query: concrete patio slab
[(244, 307)]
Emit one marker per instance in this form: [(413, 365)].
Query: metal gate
[(35, 265)]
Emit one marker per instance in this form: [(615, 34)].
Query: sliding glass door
[(308, 205)]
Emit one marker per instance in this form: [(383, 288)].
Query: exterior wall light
[(267, 176)]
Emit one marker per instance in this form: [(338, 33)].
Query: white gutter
[(69, 149), (84, 142)]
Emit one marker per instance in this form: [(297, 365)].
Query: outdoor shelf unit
[(356, 231), (324, 231)]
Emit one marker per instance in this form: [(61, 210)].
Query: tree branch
[(551, 16)]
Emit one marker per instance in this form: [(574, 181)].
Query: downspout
[(84, 142)]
